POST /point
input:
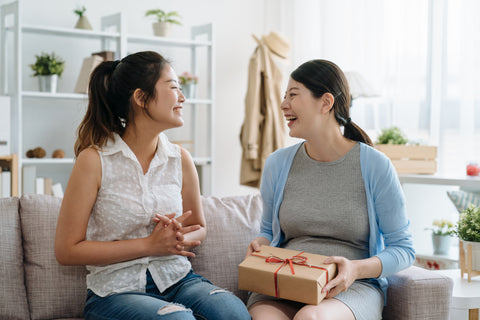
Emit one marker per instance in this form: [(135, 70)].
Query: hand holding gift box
[(286, 274)]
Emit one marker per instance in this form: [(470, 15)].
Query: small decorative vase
[(161, 29), (441, 244), (48, 83), (83, 23), (189, 90)]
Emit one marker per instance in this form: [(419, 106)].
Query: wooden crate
[(411, 159)]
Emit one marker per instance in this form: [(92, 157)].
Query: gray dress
[(324, 211)]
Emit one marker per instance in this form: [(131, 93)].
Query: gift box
[(287, 274)]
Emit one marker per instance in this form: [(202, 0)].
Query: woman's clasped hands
[(168, 237)]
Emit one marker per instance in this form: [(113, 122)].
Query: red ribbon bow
[(296, 259)]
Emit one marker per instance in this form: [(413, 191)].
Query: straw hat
[(277, 43)]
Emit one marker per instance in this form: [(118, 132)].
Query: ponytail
[(99, 122), (353, 132)]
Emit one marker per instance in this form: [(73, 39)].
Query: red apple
[(473, 169)]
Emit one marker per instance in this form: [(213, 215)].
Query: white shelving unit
[(465, 183), (114, 37), (425, 253)]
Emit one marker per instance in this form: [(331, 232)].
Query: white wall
[(234, 22)]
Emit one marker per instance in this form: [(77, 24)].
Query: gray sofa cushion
[(53, 290), (13, 298), (232, 222)]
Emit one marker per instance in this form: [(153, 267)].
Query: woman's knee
[(228, 306), (135, 306), (175, 312), (330, 309)]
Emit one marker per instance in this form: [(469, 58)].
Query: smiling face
[(301, 110), (166, 107)]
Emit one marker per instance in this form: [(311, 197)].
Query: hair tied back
[(343, 121), (115, 64)]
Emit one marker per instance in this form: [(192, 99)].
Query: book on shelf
[(39, 185), (47, 186), (29, 176), (43, 186), (88, 65), (57, 190)]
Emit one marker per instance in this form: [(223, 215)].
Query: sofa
[(34, 286)]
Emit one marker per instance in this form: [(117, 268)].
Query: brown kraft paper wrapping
[(257, 273)]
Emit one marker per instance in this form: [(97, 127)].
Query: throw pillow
[(54, 291), (463, 199), (13, 297), (232, 223)]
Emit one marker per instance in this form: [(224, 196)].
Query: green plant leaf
[(163, 16), (80, 11), (468, 227), (392, 135), (47, 64)]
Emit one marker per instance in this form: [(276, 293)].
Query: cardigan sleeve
[(267, 192), (395, 249)]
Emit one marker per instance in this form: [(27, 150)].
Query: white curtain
[(423, 56), (459, 120)]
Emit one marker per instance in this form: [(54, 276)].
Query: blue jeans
[(193, 297)]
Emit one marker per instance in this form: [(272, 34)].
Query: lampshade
[(359, 86)]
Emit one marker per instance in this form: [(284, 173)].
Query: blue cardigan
[(390, 236)]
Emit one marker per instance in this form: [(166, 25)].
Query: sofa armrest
[(417, 293)]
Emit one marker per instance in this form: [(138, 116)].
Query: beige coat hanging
[(263, 130)]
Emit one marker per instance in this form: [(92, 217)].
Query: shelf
[(202, 161), (199, 101), (462, 182), (167, 41), (59, 95), (69, 32), (48, 161), (111, 36), (452, 255)]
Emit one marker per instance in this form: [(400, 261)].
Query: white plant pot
[(161, 29), (48, 83), (441, 244), (475, 254), (83, 23), (189, 90)]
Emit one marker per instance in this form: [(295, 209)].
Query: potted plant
[(48, 67), (164, 21), (442, 230), (468, 231), (406, 157), (188, 81), (392, 135), (82, 22)]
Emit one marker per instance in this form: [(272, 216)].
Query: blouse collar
[(164, 150)]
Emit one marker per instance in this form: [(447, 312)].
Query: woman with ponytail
[(332, 194), (132, 208)]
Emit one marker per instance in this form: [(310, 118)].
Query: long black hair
[(111, 88), (322, 76)]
